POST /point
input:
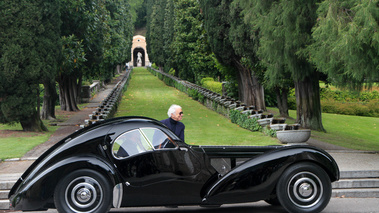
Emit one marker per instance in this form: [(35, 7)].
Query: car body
[(137, 161)]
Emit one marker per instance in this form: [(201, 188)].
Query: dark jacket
[(175, 126)]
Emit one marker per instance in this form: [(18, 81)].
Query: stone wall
[(108, 107), (88, 91)]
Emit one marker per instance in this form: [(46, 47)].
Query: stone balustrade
[(108, 106), (87, 91)]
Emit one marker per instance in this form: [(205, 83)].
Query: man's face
[(178, 115)]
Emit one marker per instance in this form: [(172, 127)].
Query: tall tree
[(29, 50), (168, 36), (155, 32), (117, 49), (285, 29), (87, 21), (220, 25), (190, 48), (346, 46)]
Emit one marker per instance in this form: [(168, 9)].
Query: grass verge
[(15, 142)]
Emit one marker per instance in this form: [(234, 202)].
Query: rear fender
[(256, 178), (39, 190)]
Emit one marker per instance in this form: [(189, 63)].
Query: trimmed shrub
[(370, 109), (269, 132), (244, 121), (206, 79), (212, 85), (193, 94)]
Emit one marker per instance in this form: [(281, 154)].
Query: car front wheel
[(304, 187), (83, 191)]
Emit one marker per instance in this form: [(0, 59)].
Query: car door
[(159, 172)]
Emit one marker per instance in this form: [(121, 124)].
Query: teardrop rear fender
[(256, 178)]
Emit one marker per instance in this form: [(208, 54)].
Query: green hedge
[(345, 102), (212, 85), (244, 121), (370, 109)]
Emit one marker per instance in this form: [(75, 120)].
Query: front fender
[(37, 192), (256, 178)]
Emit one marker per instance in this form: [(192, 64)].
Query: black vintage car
[(137, 161)]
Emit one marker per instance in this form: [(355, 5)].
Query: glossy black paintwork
[(181, 176)]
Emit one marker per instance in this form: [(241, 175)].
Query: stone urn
[(293, 136)]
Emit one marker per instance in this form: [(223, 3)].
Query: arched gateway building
[(139, 53)]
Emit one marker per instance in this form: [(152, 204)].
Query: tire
[(83, 190), (304, 187)]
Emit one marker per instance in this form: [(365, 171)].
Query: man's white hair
[(172, 109)]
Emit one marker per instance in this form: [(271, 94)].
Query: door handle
[(183, 149)]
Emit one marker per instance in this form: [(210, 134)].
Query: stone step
[(356, 193), (359, 174), (6, 185), (4, 194), (356, 183), (4, 204)]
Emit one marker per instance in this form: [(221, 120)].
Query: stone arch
[(139, 46)]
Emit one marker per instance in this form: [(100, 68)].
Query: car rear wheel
[(83, 191), (304, 187)]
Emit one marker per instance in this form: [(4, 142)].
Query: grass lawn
[(148, 96), (14, 142), (354, 132)]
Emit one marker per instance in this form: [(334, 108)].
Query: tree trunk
[(68, 87), (33, 123), (250, 90), (282, 99), (49, 98), (259, 94), (308, 103)]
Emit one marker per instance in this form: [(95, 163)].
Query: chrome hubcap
[(83, 194), (305, 189)]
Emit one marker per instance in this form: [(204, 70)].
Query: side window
[(159, 139), (130, 143)]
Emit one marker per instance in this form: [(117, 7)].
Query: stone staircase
[(357, 184), (352, 184), (6, 183)]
